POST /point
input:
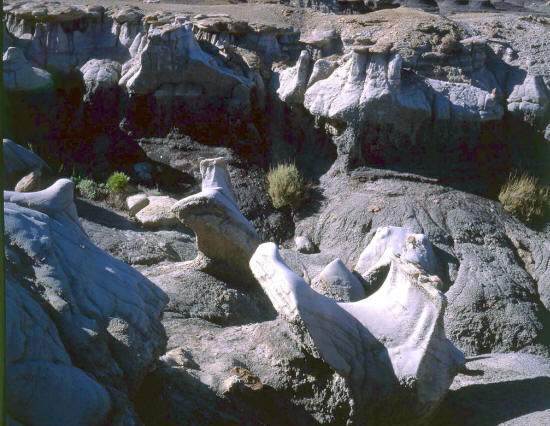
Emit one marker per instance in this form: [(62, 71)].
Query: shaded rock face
[(83, 325), (19, 162), (146, 73), (493, 267)]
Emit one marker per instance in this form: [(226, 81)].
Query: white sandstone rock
[(134, 203), (100, 74), (224, 235), (158, 212), (304, 245), (405, 315), (393, 241), (529, 97), (293, 81)]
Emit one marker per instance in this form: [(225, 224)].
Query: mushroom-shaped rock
[(57, 200), (392, 241), (225, 238), (406, 314), (86, 327), (338, 283)]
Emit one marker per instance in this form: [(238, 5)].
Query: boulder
[(338, 283), (158, 212), (224, 236), (29, 183), (101, 93), (67, 296), (100, 74), (529, 98), (135, 203)]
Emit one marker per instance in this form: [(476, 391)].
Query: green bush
[(117, 182), (286, 187), (88, 189), (524, 197)]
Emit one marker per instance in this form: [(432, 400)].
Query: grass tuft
[(286, 187), (524, 197), (116, 184)]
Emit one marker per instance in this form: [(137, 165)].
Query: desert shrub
[(448, 44), (286, 187), (524, 197), (116, 184), (88, 189)]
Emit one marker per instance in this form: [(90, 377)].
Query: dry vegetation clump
[(524, 197), (286, 187)]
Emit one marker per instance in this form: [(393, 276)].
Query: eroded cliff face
[(388, 87)]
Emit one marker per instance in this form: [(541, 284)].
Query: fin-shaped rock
[(338, 283), (225, 238), (400, 325)]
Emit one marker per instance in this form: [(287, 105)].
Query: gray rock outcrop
[(474, 240), (67, 296)]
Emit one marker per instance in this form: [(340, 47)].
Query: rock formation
[(394, 241), (82, 324), (338, 283), (19, 162), (473, 240), (225, 238), (395, 333)]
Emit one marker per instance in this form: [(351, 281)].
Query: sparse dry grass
[(524, 197)]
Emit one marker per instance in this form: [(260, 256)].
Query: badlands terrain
[(400, 292)]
